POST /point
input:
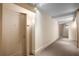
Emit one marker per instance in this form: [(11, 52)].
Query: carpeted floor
[(62, 47)]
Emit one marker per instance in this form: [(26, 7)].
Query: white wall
[(46, 30)]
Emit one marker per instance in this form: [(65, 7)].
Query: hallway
[(62, 47), (26, 32)]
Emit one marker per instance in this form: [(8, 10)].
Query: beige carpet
[(62, 47)]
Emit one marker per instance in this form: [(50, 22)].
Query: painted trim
[(45, 46)]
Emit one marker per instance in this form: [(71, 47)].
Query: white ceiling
[(58, 9)]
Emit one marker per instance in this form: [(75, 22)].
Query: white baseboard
[(43, 47)]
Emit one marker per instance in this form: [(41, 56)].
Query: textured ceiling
[(57, 10)]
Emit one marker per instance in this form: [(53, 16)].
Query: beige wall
[(77, 22), (0, 27), (11, 45), (28, 6), (61, 27), (73, 31), (65, 32), (46, 30)]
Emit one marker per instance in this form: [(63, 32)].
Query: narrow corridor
[(62, 47)]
